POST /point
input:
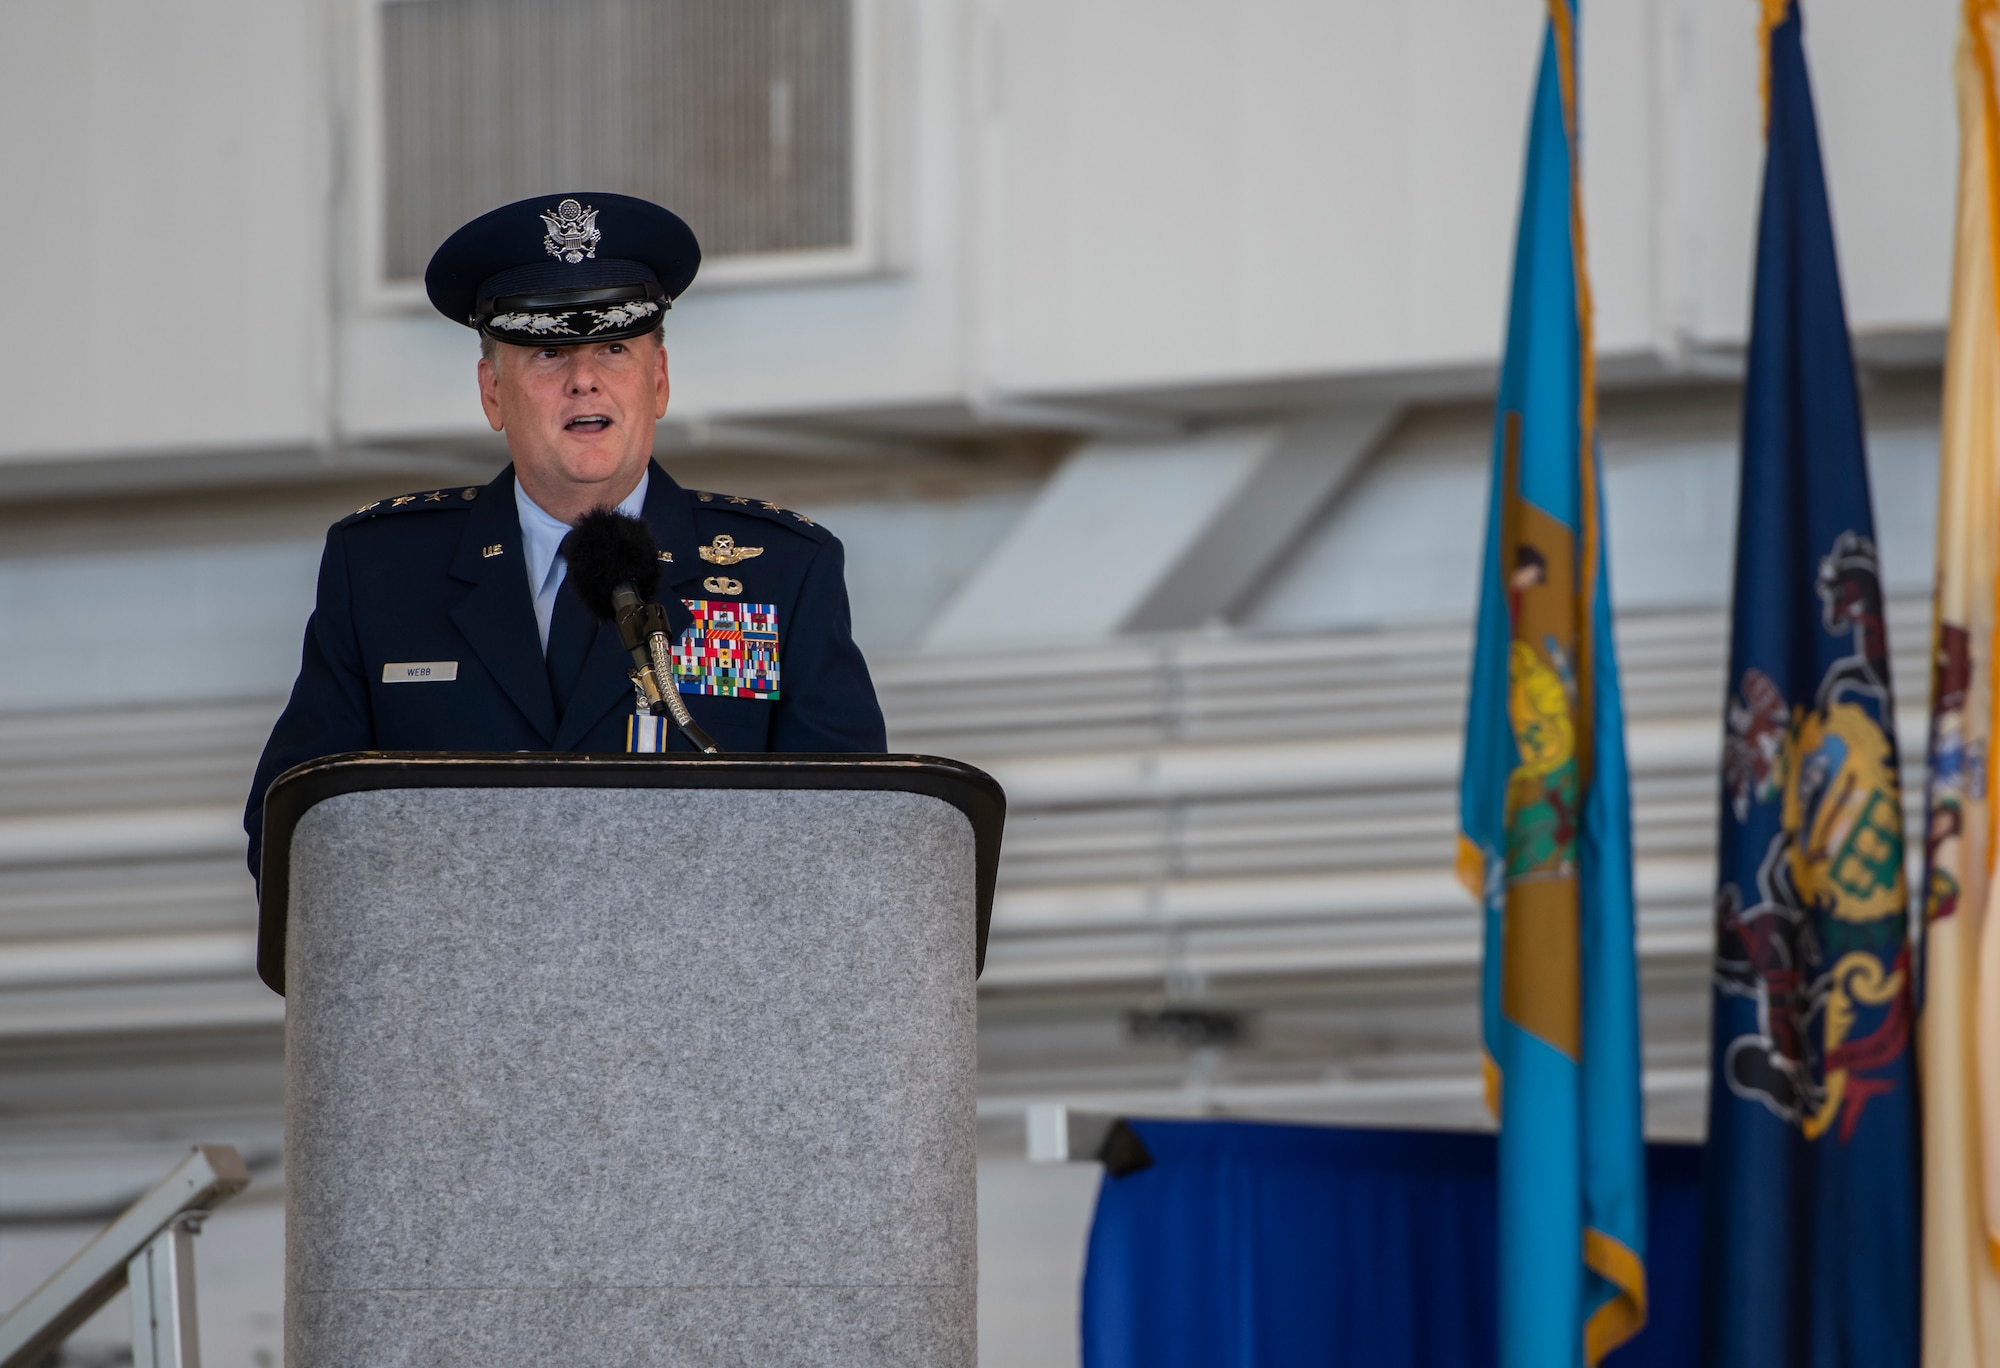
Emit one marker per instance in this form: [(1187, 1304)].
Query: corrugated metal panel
[(124, 904), (1241, 806), (1266, 826), (1262, 824)]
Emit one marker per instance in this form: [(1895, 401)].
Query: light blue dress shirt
[(541, 538)]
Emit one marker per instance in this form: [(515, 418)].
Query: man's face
[(579, 419)]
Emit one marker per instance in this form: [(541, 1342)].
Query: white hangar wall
[(1193, 190), (163, 236), (1078, 197)]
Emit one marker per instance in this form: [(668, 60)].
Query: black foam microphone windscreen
[(606, 549)]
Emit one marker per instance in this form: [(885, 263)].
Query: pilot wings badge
[(723, 550), (572, 234)]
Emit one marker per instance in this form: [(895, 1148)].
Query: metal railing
[(149, 1249)]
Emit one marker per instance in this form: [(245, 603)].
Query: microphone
[(614, 567)]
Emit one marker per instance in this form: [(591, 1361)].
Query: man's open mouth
[(589, 422)]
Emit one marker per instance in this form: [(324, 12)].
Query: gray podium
[(648, 1060)]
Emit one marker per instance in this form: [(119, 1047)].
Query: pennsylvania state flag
[(1811, 1178), (1545, 831)]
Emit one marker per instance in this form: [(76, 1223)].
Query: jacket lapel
[(606, 681), (497, 615)]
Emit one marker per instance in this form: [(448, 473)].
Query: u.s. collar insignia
[(723, 550), (572, 232)]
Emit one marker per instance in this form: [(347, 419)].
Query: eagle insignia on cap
[(572, 234)]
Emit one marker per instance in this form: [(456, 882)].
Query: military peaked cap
[(564, 268)]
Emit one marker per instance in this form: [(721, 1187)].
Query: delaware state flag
[(1545, 830)]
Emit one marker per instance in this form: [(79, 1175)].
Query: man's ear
[(489, 395), (661, 385)]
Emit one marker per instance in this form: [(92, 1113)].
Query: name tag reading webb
[(420, 672)]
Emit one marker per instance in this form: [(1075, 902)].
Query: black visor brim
[(563, 318)]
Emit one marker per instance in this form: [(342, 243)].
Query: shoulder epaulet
[(763, 508), (411, 503)]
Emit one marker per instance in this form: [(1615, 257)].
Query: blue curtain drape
[(1252, 1244)]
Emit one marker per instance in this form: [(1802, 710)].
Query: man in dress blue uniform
[(442, 622)]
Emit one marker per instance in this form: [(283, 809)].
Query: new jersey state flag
[(1811, 1174), (1958, 1016), (1545, 831)]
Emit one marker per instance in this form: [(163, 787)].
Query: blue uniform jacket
[(438, 576)]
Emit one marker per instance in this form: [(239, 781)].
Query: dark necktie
[(570, 634)]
